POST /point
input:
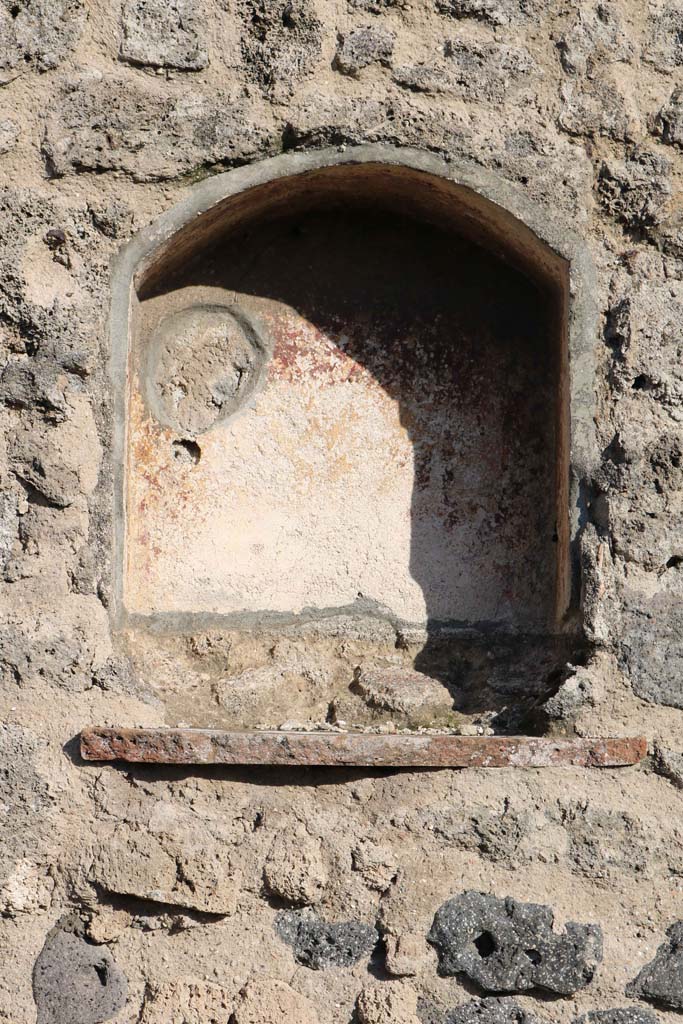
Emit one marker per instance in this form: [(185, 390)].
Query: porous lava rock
[(75, 982), (281, 43), (295, 870), (636, 190), (37, 34), (187, 1002), (489, 1011), (669, 121), (164, 34), (101, 123), (661, 981), (362, 47), (507, 946), (321, 944), (389, 1003), (625, 1015), (413, 696)]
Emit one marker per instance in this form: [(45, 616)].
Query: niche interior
[(345, 484)]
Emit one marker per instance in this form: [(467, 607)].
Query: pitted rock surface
[(670, 764), (625, 1015), (164, 34), (661, 981), (387, 1003), (266, 1001), (507, 946), (75, 982), (295, 870), (489, 1011), (417, 697), (363, 47), (321, 944), (37, 34)]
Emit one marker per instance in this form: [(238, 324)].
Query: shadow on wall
[(462, 351)]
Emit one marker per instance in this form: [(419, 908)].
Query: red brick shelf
[(208, 746)]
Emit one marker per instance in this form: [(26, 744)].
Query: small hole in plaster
[(187, 451), (642, 383), (533, 955)]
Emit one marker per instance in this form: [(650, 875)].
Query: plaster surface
[(401, 447)]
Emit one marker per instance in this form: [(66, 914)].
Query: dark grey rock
[(489, 1011), (164, 34), (573, 695), (281, 43), (507, 946), (670, 764), (635, 191), (37, 34), (626, 1015), (428, 1013), (651, 649), (320, 944), (75, 982), (364, 46), (661, 981), (668, 123)]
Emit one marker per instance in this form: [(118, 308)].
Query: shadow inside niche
[(465, 349)]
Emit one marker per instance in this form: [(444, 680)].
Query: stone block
[(507, 946), (75, 982), (296, 870), (164, 34), (661, 981), (268, 1001), (320, 944)]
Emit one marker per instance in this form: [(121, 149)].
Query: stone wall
[(154, 895)]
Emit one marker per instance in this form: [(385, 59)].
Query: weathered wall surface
[(154, 895)]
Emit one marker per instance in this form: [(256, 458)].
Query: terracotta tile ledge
[(208, 746)]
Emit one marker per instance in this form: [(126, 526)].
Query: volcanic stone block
[(670, 764), (626, 1015), (197, 875), (363, 47), (414, 695), (37, 34), (320, 944), (507, 946), (164, 34), (295, 869), (669, 121), (661, 981), (75, 982), (489, 1011)]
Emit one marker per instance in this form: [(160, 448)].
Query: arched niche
[(353, 382)]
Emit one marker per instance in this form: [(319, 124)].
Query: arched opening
[(349, 397)]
